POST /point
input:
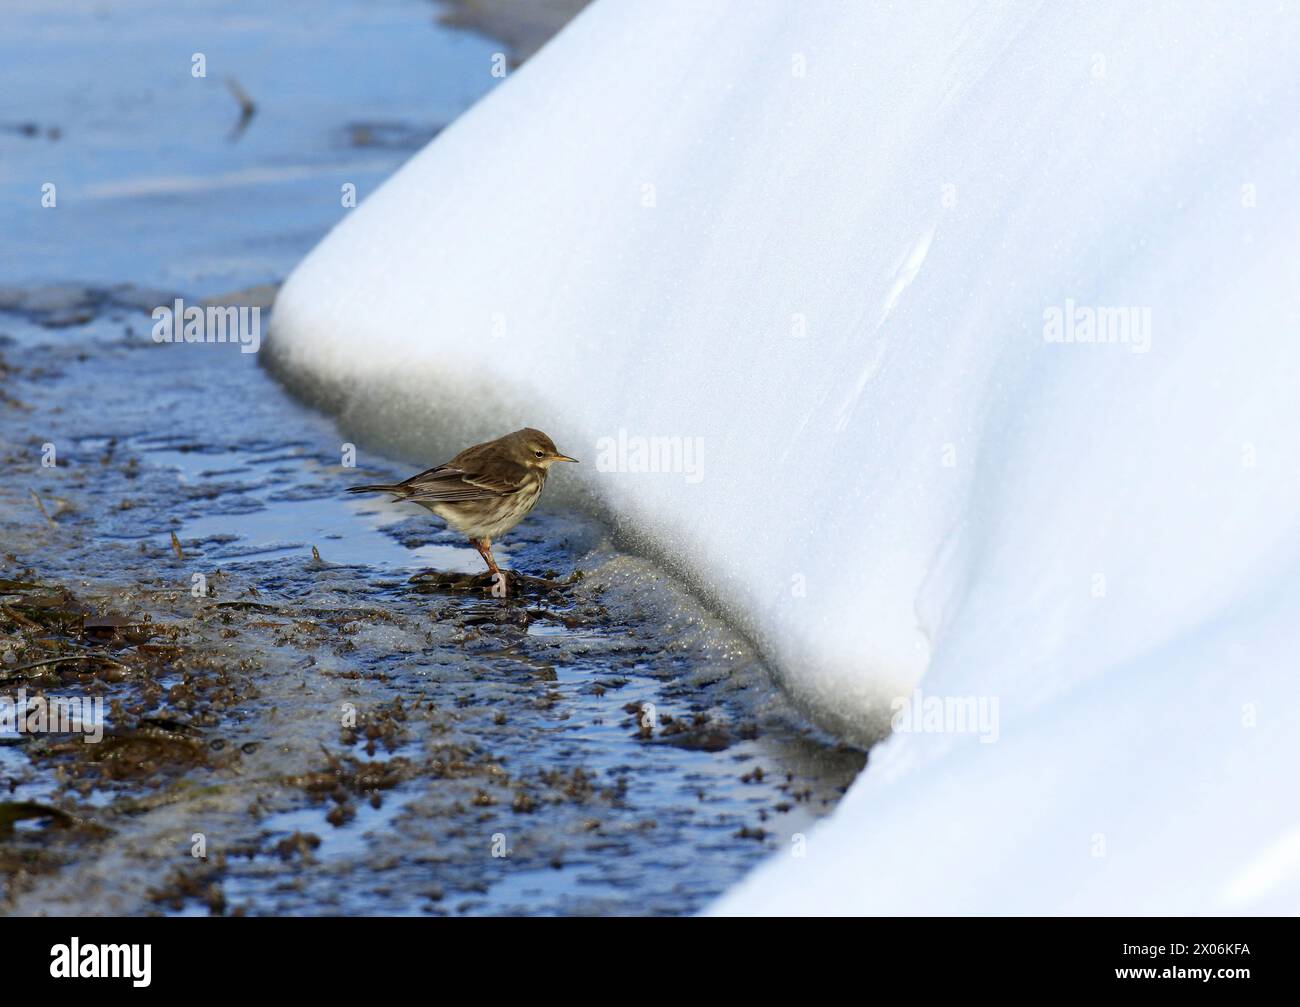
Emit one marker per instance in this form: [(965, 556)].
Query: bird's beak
[(563, 458)]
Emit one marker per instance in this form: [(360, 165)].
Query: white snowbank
[(824, 238)]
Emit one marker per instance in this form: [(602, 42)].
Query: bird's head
[(534, 449)]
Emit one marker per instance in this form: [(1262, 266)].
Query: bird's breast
[(492, 516)]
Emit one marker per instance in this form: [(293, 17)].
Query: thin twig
[(20, 618), (44, 513), (11, 672), (247, 108)]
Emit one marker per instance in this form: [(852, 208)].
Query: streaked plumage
[(485, 490)]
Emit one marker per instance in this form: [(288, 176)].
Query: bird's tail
[(374, 489)]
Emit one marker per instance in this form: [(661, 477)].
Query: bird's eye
[(538, 453)]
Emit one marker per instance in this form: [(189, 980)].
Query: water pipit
[(485, 490)]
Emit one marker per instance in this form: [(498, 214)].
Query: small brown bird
[(485, 490)]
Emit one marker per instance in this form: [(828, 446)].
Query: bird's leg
[(484, 547)]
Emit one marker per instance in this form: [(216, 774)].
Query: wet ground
[(313, 704), (346, 730)]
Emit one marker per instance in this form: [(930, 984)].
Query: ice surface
[(829, 241)]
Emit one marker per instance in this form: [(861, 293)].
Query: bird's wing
[(449, 484)]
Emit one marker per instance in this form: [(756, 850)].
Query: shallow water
[(149, 163), (600, 744)]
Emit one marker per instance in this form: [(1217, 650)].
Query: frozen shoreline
[(222, 711), (832, 254)]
